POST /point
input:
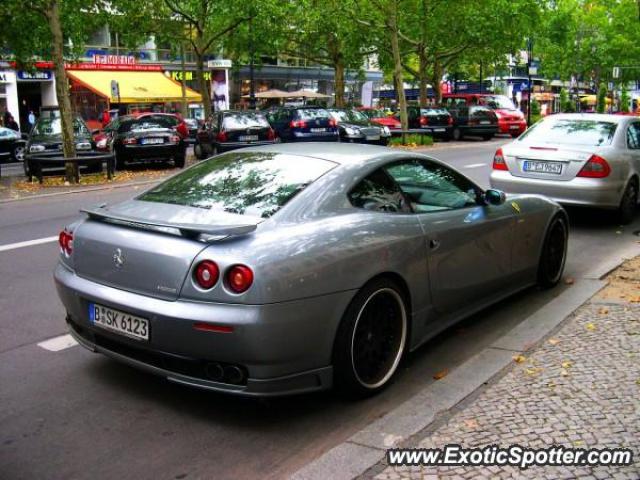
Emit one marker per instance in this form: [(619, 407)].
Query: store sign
[(37, 75), (3, 77), (188, 76), (220, 63), (141, 67), (114, 59)]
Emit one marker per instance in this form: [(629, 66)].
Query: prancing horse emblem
[(118, 259)]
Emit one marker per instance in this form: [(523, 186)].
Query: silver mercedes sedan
[(576, 159), (291, 268)]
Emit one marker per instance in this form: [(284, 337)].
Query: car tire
[(554, 252), (486, 138), (371, 339), (18, 153), (25, 166), (457, 134), (628, 203)]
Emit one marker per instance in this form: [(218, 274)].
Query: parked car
[(143, 137), (381, 118), (46, 139), (229, 130), (474, 121), (12, 145), (354, 126), (285, 269), (192, 128), (303, 124), (510, 119), (577, 159), (435, 120)]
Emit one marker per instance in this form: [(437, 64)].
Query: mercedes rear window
[(244, 120), (312, 113), (146, 123), (584, 132), (256, 184)]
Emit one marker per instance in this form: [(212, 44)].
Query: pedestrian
[(106, 118), (12, 124), (7, 115), (32, 119)]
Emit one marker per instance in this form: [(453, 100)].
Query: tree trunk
[(423, 76), (62, 91), (183, 83), (397, 65), (436, 78), (339, 87), (204, 87)]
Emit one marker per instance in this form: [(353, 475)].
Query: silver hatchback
[(576, 159)]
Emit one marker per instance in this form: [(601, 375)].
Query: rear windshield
[(497, 101), (244, 120), (146, 123), (433, 111), (312, 113), (592, 133), (256, 184)]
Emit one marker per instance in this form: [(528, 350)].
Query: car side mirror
[(494, 197)]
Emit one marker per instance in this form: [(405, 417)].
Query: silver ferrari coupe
[(291, 268)]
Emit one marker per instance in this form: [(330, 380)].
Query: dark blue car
[(300, 124)]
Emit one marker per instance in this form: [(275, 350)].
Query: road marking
[(475, 165), (58, 343), (28, 243)]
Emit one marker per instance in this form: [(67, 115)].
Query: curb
[(367, 447), (88, 189)]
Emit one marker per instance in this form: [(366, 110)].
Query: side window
[(633, 136), (433, 187), (378, 192)]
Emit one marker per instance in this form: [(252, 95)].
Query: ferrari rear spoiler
[(189, 230)]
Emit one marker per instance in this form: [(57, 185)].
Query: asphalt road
[(73, 414)]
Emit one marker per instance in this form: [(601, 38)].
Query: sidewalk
[(580, 388)]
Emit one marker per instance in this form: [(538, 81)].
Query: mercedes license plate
[(119, 322), (248, 138), (151, 141), (373, 137), (554, 168)]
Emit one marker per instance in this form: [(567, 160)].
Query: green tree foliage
[(602, 98), (624, 98)]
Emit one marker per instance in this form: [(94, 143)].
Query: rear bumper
[(438, 130), (512, 127), (282, 350), (588, 192), (315, 137), (153, 151), (222, 147)]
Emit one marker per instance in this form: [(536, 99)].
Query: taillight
[(450, 120), (206, 274), (129, 140), (174, 138), (424, 120), (65, 239), (333, 122), (298, 124), (239, 278), (221, 136), (271, 135), (596, 167), (498, 161)]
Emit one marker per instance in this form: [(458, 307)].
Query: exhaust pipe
[(215, 372), (233, 374)]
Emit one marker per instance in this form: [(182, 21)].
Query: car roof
[(608, 117), (341, 153)]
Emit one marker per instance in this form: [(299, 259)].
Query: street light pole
[(529, 55)]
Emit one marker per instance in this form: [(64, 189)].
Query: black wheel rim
[(556, 249), (629, 200), (18, 154), (378, 338)]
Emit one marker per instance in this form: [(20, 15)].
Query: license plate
[(514, 127), (438, 129), (248, 138), (484, 122), (151, 141), (542, 167), (318, 130), (119, 322), (373, 137)]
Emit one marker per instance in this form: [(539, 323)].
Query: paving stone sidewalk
[(580, 389)]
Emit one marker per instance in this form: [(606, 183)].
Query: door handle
[(433, 244)]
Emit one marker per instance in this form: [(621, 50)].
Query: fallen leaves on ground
[(591, 327), (603, 311), (569, 281), (519, 358), (441, 374), (567, 364), (471, 423), (554, 341)]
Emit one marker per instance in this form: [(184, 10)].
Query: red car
[(510, 119), (380, 118)]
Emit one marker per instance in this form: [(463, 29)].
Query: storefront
[(8, 93)]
